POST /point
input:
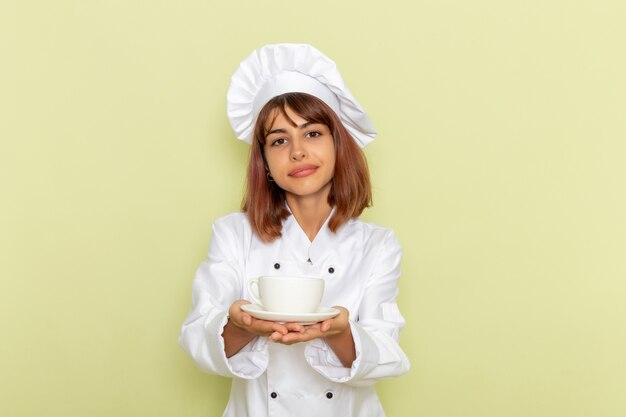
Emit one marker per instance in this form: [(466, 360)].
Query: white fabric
[(291, 81), (365, 259), (282, 68)]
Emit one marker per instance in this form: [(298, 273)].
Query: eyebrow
[(302, 126)]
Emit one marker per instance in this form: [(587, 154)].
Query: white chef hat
[(273, 70)]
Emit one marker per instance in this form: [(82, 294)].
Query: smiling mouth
[(304, 171)]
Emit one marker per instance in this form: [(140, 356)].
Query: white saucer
[(321, 314)]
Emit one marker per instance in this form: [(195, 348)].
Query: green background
[(500, 163)]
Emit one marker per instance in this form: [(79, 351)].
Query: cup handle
[(253, 290)]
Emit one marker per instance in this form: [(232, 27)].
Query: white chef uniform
[(360, 264)]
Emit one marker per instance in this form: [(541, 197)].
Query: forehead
[(279, 117)]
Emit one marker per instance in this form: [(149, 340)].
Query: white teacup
[(287, 294)]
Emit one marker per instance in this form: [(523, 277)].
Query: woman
[(307, 183)]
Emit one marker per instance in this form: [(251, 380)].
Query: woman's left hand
[(324, 329)]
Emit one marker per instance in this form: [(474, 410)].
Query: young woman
[(307, 183)]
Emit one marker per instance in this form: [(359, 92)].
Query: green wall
[(500, 163)]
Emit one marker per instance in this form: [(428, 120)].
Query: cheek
[(330, 164), (276, 166), (271, 160), (332, 156)]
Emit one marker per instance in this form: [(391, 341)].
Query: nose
[(298, 153)]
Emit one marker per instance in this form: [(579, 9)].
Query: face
[(300, 158)]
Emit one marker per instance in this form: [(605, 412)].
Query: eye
[(313, 134), (278, 142)]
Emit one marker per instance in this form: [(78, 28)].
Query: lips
[(303, 171)]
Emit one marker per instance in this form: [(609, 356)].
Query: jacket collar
[(302, 249)]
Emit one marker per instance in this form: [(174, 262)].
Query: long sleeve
[(375, 331), (217, 284)]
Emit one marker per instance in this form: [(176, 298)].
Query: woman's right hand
[(242, 328), (256, 327)]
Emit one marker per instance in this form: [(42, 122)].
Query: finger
[(247, 319), (291, 338), (314, 326), (280, 328), (294, 327), (326, 325)]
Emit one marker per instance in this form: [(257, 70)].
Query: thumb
[(325, 325)]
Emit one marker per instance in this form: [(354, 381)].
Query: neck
[(310, 212)]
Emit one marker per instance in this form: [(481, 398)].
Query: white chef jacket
[(360, 266)]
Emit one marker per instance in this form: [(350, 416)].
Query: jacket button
[(331, 270), (273, 395), (329, 395), (276, 265)]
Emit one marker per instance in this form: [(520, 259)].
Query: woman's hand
[(249, 324), (242, 328), (336, 332), (323, 329)]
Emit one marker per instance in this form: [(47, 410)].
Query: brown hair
[(351, 191)]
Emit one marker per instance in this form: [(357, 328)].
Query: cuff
[(323, 359), (249, 363)]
